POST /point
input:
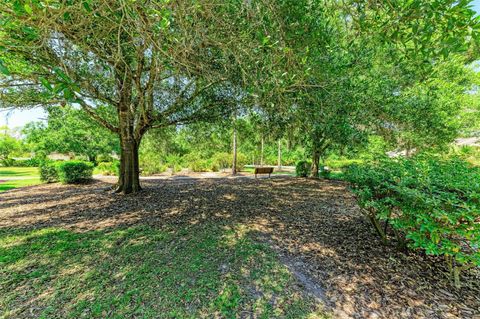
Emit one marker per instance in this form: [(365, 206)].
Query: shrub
[(430, 204), (48, 172), (104, 158), (31, 162), (242, 160), (174, 162), (151, 168), (222, 160), (302, 169), (109, 168), (70, 172), (337, 164), (200, 166), (7, 162), (214, 166), (325, 172)]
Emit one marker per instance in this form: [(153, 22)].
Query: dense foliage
[(70, 131), (67, 172), (9, 146), (431, 204), (337, 71), (70, 172), (48, 172), (108, 168), (302, 169)]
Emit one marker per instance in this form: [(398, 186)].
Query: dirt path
[(315, 227)]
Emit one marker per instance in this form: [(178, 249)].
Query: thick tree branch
[(91, 111)]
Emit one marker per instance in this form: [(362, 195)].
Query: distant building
[(59, 156)]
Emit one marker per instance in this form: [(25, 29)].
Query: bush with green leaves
[(430, 204), (174, 162), (341, 163), (108, 168), (71, 172), (48, 172), (222, 160), (325, 172), (31, 162), (200, 165), (242, 160), (7, 162), (302, 169), (151, 166)]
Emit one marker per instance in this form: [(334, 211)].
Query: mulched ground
[(315, 227)]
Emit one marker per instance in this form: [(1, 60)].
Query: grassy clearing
[(7, 185), (144, 272), (30, 175), (18, 172)]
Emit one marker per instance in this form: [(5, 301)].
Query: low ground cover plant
[(428, 203)]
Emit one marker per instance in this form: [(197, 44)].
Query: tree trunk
[(92, 158), (129, 177), (234, 162), (279, 159), (261, 152), (315, 164)]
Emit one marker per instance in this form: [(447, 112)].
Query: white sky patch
[(19, 117)]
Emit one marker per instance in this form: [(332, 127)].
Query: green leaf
[(62, 75), (86, 5), (27, 8), (17, 7), (46, 84), (3, 69)]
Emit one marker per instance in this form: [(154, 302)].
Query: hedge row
[(304, 169), (426, 204), (10, 162), (67, 172)]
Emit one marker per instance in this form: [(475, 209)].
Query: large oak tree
[(155, 62)]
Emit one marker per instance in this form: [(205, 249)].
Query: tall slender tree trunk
[(279, 159), (315, 163), (234, 142), (261, 152)]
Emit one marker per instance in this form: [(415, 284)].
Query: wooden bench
[(263, 170)]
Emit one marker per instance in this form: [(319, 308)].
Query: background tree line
[(311, 77)]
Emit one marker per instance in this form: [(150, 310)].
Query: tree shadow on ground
[(315, 226)]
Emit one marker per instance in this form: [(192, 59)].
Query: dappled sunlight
[(122, 270), (313, 225), (230, 197)]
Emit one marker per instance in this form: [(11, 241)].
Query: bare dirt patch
[(314, 225)]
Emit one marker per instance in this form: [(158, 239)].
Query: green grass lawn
[(195, 271), (18, 172), (29, 173), (5, 186)]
